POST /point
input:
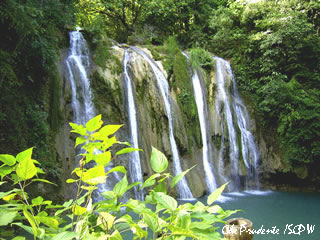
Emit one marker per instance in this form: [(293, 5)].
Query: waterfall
[(78, 64), (134, 163), (233, 111), (200, 102), (182, 186)]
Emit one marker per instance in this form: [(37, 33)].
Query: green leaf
[(94, 123), (7, 216), (152, 221), (8, 159), (161, 187), (26, 169), (103, 158), (24, 155), (37, 201), (5, 170), (78, 129), (80, 140), (43, 180), (150, 181), (216, 194), (108, 194), (121, 187), (108, 130), (127, 150), (166, 201), (78, 210), (19, 238), (177, 178), (94, 175), (32, 222), (70, 180), (25, 227), (115, 235), (65, 236), (49, 221), (118, 169), (159, 162)]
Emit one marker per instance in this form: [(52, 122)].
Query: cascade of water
[(134, 163), (182, 186), (77, 66), (250, 155), (83, 108), (200, 102)]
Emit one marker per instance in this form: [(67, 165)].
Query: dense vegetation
[(159, 216), (274, 48)]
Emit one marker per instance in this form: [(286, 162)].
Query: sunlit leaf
[(8, 159), (26, 169), (159, 162), (121, 187), (166, 201), (127, 150), (103, 158), (37, 201), (118, 169), (7, 216), (94, 123), (216, 194), (78, 210), (177, 178), (24, 155)]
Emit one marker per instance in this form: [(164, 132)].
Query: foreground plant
[(158, 217)]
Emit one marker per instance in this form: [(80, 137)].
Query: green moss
[(182, 85)]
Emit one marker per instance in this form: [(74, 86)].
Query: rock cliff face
[(110, 100)]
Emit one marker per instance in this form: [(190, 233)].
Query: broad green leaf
[(152, 221), (178, 231), (127, 150), (80, 140), (159, 162), (161, 187), (118, 169), (94, 123), (26, 169), (132, 185), (78, 210), (108, 130), (65, 236), (108, 194), (109, 142), (7, 216), (2, 183), (24, 155), (103, 158), (166, 201), (121, 187), (105, 219), (115, 235), (49, 221), (78, 129), (94, 175), (215, 209), (19, 238), (5, 170), (8, 159), (37, 201), (216, 194), (89, 188), (177, 178), (150, 181), (9, 197)]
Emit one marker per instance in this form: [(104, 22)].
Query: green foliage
[(275, 53), (82, 219), (199, 57)]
